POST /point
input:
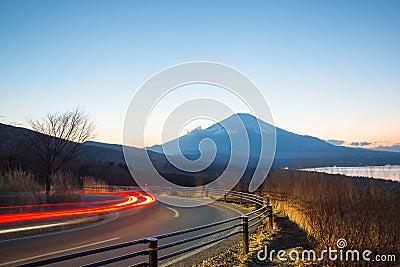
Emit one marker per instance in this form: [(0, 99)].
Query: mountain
[(292, 150), (107, 161)]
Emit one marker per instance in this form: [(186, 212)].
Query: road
[(134, 224)]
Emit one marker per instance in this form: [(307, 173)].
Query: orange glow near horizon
[(372, 144), (375, 140)]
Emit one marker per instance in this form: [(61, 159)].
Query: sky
[(328, 69)]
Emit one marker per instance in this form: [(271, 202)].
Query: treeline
[(363, 211)]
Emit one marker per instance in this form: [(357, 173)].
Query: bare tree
[(58, 138)]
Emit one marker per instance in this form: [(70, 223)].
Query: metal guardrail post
[(265, 210), (153, 252), (271, 221), (245, 234)]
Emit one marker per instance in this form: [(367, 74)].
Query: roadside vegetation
[(286, 235), (65, 186), (313, 211), (19, 187), (363, 211), (91, 181)]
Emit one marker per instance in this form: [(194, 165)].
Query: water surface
[(390, 172)]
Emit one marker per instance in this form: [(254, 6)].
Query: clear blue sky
[(330, 69)]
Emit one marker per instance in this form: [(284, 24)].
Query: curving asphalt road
[(126, 226)]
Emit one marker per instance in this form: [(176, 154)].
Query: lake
[(390, 172)]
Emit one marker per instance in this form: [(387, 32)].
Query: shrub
[(18, 187), (65, 187), (90, 181)]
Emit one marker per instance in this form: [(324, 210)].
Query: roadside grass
[(18, 187), (314, 210), (363, 211), (91, 181), (65, 187)]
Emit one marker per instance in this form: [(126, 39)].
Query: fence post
[(265, 210), (245, 234), (153, 252), (271, 222)]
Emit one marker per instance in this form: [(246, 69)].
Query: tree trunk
[(47, 186)]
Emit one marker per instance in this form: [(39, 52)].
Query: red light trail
[(128, 200)]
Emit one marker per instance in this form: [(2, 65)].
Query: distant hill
[(103, 145), (100, 160), (394, 148), (93, 151)]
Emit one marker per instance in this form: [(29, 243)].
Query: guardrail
[(240, 224)]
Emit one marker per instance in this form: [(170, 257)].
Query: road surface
[(134, 224)]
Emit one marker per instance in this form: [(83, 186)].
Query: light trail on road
[(128, 200)]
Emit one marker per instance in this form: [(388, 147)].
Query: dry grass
[(19, 187), (90, 181), (65, 187), (363, 211)]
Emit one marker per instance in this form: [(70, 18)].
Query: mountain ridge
[(292, 149)]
